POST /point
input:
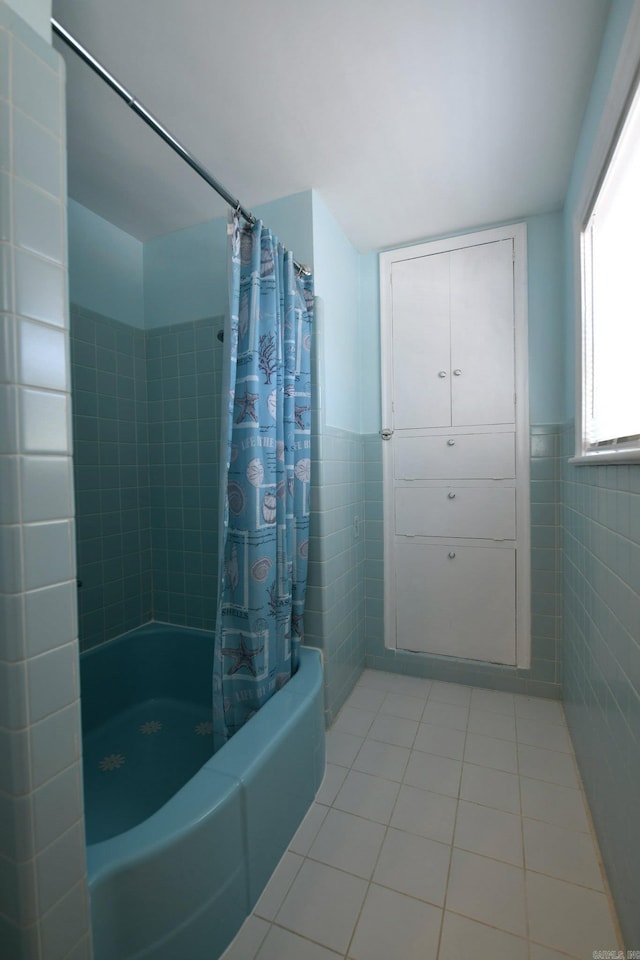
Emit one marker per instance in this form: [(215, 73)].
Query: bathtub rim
[(191, 805)]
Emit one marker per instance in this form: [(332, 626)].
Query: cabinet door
[(420, 342), (467, 512), (456, 601), (482, 334), (460, 456)]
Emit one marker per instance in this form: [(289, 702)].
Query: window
[(611, 302)]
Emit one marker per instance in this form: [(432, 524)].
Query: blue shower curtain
[(265, 522)]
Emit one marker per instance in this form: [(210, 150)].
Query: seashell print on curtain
[(265, 522)]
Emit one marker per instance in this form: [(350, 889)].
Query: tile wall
[(111, 474), (601, 654), (184, 370), (545, 676), (146, 427), (43, 893)]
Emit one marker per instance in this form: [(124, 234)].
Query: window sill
[(593, 458)]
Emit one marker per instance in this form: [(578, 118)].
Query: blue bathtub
[(178, 884)]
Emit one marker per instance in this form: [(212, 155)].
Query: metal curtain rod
[(157, 127)]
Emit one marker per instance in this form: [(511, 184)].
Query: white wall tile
[(42, 356), (46, 488), (47, 553), (52, 681), (40, 289), (50, 617), (9, 490), (44, 422)]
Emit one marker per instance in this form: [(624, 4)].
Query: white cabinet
[(456, 481)]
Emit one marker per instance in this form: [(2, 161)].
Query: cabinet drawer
[(456, 457), (482, 512), (459, 600)]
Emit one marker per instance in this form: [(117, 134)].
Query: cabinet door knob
[(452, 555), (457, 373), (451, 443), (451, 496), (442, 374)]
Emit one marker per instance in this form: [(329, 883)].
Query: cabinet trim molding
[(517, 233)]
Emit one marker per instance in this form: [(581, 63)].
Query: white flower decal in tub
[(151, 726), (204, 729), (113, 762)]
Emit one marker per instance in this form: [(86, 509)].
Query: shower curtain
[(267, 456)]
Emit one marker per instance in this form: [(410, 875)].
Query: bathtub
[(178, 883)]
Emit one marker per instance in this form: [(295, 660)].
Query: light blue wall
[(37, 13), (546, 310), (185, 272), (336, 276), (105, 267)]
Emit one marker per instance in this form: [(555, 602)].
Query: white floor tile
[(490, 752), (375, 679), (283, 945), (393, 730), (547, 765), (493, 788), (382, 760), (499, 725), (427, 814), (552, 803), (537, 708), (348, 843), (332, 781), (446, 714), (342, 747), (456, 693), (438, 774), (411, 686), (488, 891), (247, 941), (561, 853), (306, 832), (567, 917), (394, 926), (495, 701), (462, 938), (278, 886), (544, 953), (367, 796), (442, 741), (400, 705), (366, 698), (540, 733), (413, 865), (324, 905), (352, 720), (490, 832)]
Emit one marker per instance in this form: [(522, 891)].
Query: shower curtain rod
[(156, 126)]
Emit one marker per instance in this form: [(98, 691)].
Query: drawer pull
[(452, 555), (451, 443), (442, 374), (451, 496)]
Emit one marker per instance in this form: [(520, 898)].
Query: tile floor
[(450, 823)]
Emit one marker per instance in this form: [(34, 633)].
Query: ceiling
[(412, 119)]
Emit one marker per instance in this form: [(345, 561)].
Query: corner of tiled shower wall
[(601, 653), (545, 676), (111, 471), (43, 892), (146, 417)]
